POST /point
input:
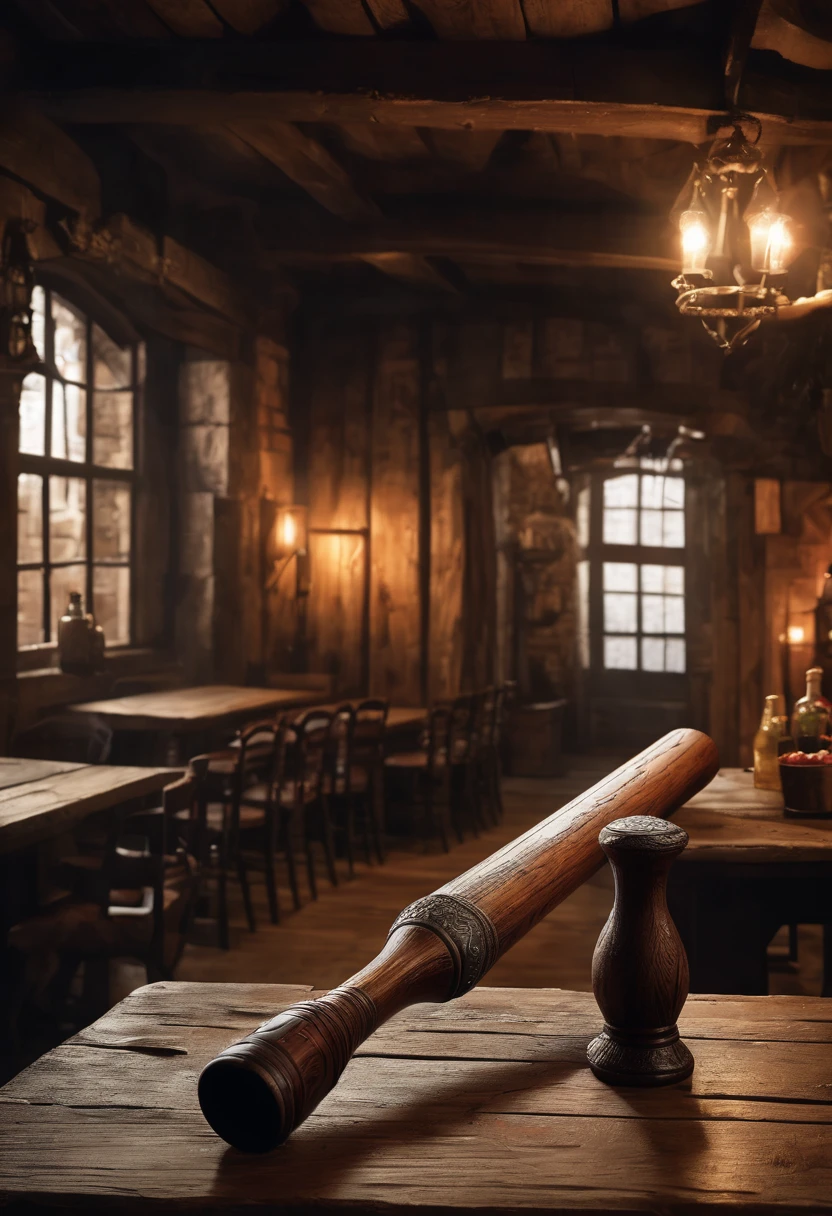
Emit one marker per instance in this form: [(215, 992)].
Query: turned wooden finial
[(639, 968)]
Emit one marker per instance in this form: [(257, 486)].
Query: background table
[(746, 871), (486, 1102), (182, 710), (41, 798)]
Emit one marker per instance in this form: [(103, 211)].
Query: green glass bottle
[(810, 721)]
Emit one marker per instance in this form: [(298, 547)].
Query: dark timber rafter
[(312, 168), (580, 88), (532, 235)]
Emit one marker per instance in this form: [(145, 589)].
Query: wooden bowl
[(807, 790)]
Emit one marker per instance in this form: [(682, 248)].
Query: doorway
[(631, 528)]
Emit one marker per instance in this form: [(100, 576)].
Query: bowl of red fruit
[(806, 778)]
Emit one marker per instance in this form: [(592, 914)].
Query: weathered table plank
[(16, 770), (732, 821), (35, 810), (483, 1103), (189, 709)]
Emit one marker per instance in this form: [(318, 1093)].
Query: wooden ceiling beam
[(316, 171), (572, 87), (532, 235), (593, 399)]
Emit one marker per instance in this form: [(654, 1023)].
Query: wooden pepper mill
[(639, 968)]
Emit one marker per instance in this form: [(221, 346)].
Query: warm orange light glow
[(779, 245), (796, 634), (290, 531), (696, 241)]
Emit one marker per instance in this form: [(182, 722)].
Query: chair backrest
[(312, 744), (146, 848), (489, 714), (461, 733), (436, 739), (339, 752), (261, 747), (84, 738), (368, 733)]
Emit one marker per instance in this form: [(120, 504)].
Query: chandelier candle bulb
[(696, 242)]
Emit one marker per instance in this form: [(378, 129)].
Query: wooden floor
[(330, 939)]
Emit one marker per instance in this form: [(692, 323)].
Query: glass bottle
[(74, 638), (766, 747), (811, 714)]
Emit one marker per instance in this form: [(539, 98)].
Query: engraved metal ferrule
[(466, 932)]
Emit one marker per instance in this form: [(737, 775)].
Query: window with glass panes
[(77, 474), (642, 571)]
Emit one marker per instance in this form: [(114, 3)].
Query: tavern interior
[(404, 268)]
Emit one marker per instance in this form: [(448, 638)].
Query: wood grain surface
[(37, 809), (16, 770), (731, 821), (483, 1103), (183, 709)]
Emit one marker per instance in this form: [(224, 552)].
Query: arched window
[(77, 473)]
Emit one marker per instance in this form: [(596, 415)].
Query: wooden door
[(632, 590)]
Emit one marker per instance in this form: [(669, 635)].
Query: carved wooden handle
[(257, 1091), (639, 968)]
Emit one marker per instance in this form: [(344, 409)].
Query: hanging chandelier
[(736, 244)]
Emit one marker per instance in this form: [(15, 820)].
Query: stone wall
[(235, 468)]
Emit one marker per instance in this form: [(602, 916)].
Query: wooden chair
[(339, 779), (489, 767), (241, 819), (141, 908), (306, 792), (262, 810), (428, 770), (369, 735), (463, 749)]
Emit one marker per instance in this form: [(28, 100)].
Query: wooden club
[(256, 1092)]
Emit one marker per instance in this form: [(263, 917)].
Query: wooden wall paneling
[(339, 396), (752, 618), (335, 609), (699, 626), (480, 582), (724, 689), (447, 556), (395, 612), (518, 349), (338, 390), (561, 349)]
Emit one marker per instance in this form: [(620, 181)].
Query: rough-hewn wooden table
[(746, 871), (40, 798), (485, 1103), (184, 710)]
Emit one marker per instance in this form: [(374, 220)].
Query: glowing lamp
[(795, 635), (696, 241), (290, 531)]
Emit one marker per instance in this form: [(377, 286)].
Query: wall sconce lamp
[(289, 540)]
